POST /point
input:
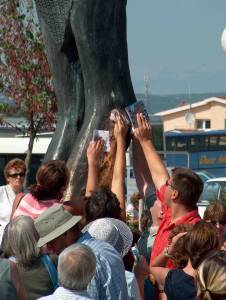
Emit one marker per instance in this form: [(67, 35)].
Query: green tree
[(24, 70)]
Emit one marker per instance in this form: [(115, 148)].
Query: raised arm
[(94, 151), (118, 180), (159, 274), (141, 170), (157, 168)]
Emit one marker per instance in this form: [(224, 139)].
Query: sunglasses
[(15, 175), (170, 185)]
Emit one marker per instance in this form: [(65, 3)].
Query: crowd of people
[(56, 250)]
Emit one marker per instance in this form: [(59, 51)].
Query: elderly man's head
[(76, 267)]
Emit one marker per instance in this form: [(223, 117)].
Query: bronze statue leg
[(68, 85)]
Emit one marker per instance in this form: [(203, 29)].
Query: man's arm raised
[(118, 180), (156, 166), (141, 171)]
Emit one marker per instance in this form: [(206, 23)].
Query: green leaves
[(25, 75), (29, 34)]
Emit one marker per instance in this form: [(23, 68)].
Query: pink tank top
[(30, 206)]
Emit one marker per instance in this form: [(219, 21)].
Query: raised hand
[(143, 131), (94, 151), (120, 129), (174, 241)]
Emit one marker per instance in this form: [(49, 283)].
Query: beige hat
[(53, 222)]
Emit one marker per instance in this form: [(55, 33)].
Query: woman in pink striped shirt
[(51, 182)]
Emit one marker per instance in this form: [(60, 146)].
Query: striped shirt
[(109, 281), (30, 206), (66, 294)]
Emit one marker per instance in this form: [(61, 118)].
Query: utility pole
[(147, 83)]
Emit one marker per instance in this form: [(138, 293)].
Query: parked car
[(214, 189), (204, 175)]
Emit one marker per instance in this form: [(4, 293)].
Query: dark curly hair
[(102, 203)]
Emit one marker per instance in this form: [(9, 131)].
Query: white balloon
[(223, 40)]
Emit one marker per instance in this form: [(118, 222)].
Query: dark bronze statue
[(87, 52)]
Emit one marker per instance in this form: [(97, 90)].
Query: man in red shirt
[(178, 193)]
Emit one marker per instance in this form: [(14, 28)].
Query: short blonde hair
[(15, 163), (211, 277)]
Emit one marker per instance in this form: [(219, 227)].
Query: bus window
[(196, 143), (206, 143), (157, 136), (181, 143), (192, 142), (213, 142), (170, 143), (222, 142)]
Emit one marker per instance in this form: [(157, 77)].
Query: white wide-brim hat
[(112, 231)]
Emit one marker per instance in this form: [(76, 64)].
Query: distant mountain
[(157, 103)]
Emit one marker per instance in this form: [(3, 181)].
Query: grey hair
[(20, 240), (76, 267)]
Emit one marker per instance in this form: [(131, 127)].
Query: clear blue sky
[(177, 42)]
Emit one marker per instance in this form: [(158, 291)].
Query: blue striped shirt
[(109, 282), (65, 294)]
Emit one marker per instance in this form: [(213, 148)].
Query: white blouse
[(7, 196)]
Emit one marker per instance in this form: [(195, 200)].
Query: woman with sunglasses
[(14, 173)]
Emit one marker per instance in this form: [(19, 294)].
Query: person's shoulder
[(195, 217), (4, 192), (3, 188), (178, 274), (173, 275)]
